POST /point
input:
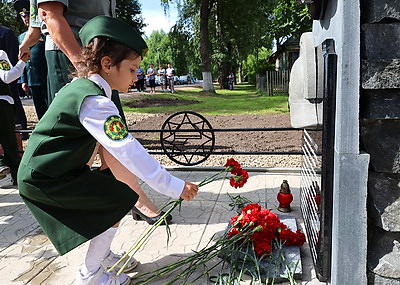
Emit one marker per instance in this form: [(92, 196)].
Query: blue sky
[(154, 17)]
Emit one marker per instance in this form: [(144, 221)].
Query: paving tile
[(27, 256)]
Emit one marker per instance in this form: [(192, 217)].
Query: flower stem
[(135, 248)]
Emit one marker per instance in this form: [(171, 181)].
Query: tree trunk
[(205, 46)]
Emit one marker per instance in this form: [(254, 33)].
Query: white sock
[(99, 248)]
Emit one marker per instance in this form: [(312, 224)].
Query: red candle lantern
[(284, 197)]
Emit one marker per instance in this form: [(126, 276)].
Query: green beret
[(114, 29)]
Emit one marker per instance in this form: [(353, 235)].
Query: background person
[(11, 159), (162, 78), (231, 80), (151, 73), (34, 78), (140, 79), (62, 21), (70, 202), (9, 43), (170, 77)]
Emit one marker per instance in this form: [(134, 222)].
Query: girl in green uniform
[(72, 203)]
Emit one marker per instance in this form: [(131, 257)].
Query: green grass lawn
[(243, 100)]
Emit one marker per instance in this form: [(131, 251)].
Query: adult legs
[(171, 84), (59, 67), (7, 138), (39, 95), (141, 83)]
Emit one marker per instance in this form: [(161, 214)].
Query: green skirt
[(74, 208)]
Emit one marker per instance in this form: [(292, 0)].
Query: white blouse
[(9, 73), (93, 115)]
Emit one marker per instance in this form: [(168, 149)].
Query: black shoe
[(137, 215), (24, 136)]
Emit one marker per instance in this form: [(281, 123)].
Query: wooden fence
[(274, 83)]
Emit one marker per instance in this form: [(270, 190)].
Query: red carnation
[(232, 165), (240, 179), (292, 238)]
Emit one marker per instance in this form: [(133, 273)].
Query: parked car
[(176, 80), (185, 79)]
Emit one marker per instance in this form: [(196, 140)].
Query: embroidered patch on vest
[(4, 65), (115, 128)]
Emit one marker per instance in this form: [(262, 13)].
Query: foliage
[(257, 64), (130, 12), (240, 31), (243, 100), (186, 59), (10, 19), (159, 50), (126, 10), (288, 19)]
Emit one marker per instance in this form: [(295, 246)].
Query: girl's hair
[(98, 48)]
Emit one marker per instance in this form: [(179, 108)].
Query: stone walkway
[(27, 256)]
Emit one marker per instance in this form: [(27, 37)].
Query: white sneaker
[(102, 277), (112, 258), (4, 170)]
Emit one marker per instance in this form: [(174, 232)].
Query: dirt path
[(254, 141)]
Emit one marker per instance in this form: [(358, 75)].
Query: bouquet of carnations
[(251, 245), (237, 178), (251, 238)]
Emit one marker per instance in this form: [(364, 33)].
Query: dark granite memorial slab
[(380, 104), (380, 41), (381, 139), (377, 11), (384, 200)]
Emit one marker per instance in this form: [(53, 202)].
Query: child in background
[(8, 73), (72, 203)]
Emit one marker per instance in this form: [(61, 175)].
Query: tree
[(230, 30), (288, 18), (205, 10), (130, 12), (10, 19), (160, 51), (239, 31), (205, 7)]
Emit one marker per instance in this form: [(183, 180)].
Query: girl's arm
[(100, 118), (8, 73)]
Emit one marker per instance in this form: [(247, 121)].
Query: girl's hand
[(189, 191)]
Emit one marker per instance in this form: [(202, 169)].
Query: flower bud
[(230, 168), (258, 229)]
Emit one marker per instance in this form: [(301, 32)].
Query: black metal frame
[(323, 263), (173, 152)]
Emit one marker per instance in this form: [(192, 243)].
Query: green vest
[(60, 144), (4, 88)]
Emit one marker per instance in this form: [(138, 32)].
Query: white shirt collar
[(96, 78)]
